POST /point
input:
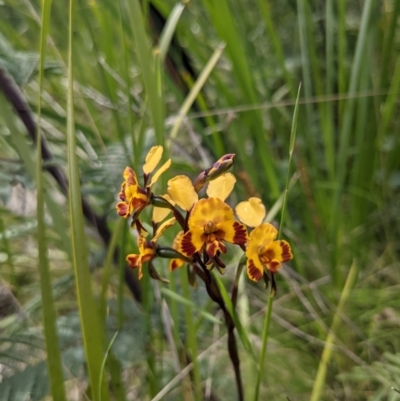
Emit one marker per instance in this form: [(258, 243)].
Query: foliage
[(228, 85)]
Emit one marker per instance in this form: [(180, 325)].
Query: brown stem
[(215, 294)]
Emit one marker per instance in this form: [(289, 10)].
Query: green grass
[(105, 95)]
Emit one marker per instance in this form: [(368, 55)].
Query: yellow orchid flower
[(210, 223), (264, 251), (134, 198), (147, 249), (147, 252)]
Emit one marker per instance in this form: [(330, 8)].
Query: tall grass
[(132, 83)]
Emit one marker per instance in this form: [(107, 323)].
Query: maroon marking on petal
[(134, 261), (286, 251), (222, 247), (252, 271), (186, 246), (123, 209), (240, 237), (131, 179), (174, 264), (212, 248), (274, 265), (122, 192)]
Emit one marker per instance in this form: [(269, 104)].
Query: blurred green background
[(342, 216)]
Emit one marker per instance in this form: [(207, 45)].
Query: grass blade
[(88, 312), (195, 90), (349, 113), (169, 29), (147, 66), (103, 364), (327, 352), (54, 363), (240, 329)]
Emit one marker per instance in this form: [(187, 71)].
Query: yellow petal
[(221, 187), (134, 260), (163, 227), (260, 238), (160, 213), (255, 269), (232, 231), (152, 159), (274, 254), (209, 210), (175, 264), (130, 176), (158, 173), (181, 191), (251, 212), (192, 242)]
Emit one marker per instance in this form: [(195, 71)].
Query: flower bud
[(221, 166)]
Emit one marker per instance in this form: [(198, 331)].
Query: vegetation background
[(219, 77)]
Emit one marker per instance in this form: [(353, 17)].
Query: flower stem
[(265, 333), (191, 337), (215, 294)]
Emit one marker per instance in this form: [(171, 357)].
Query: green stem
[(327, 352), (265, 334)]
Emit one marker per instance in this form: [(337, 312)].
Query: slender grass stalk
[(121, 270), (348, 117), (329, 66), (306, 75), (216, 144), (87, 309), (201, 80), (327, 351), (103, 364), (148, 299), (128, 81), (191, 340), (169, 29), (265, 333), (291, 149), (147, 66), (187, 302), (238, 326), (342, 51), (388, 46), (54, 362), (271, 296), (108, 268)]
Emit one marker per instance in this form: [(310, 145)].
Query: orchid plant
[(206, 225)]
